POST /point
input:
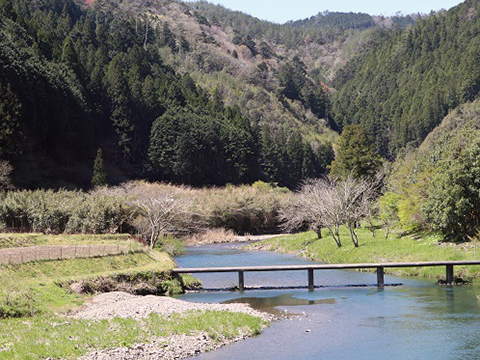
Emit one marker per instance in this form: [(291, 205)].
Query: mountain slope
[(403, 86), (438, 184), (114, 75), (183, 92)]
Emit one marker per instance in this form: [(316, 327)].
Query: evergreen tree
[(99, 177), (324, 157), (403, 85), (10, 111), (355, 154), (309, 170), (294, 163)]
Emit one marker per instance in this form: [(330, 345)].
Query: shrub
[(62, 211), (243, 209)]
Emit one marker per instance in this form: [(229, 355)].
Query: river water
[(418, 320)]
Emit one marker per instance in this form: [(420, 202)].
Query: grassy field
[(32, 303), (12, 240), (377, 249)]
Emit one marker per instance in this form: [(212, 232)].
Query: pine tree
[(99, 177)]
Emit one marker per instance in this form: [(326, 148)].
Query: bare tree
[(325, 203), (146, 32), (315, 206), (357, 197), (159, 209), (159, 215), (296, 215), (331, 207), (5, 175)]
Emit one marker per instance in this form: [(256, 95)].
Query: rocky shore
[(170, 348), (120, 304)]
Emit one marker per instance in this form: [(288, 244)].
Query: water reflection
[(271, 304)]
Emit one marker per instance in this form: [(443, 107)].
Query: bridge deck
[(323, 266), (311, 268)]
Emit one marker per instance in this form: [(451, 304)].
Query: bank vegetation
[(152, 210)]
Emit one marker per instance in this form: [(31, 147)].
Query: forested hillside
[(437, 186), (407, 81), (354, 21), (195, 93), (76, 78)]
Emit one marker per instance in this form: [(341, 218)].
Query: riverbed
[(418, 320)]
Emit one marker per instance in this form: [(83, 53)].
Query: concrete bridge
[(310, 269)]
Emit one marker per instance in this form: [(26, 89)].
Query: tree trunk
[(353, 235), (372, 230), (318, 231), (337, 232), (336, 236), (154, 238)]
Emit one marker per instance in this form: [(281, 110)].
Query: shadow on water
[(270, 304)]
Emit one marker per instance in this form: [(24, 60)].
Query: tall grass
[(243, 209), (63, 211)]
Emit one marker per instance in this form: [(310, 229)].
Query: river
[(418, 320)]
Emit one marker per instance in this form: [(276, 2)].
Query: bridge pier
[(449, 275), (241, 281), (380, 277), (311, 281)]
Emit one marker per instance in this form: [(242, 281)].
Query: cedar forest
[(195, 94)]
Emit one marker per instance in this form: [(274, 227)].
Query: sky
[(280, 11)]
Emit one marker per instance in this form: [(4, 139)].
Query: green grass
[(49, 270), (57, 337), (31, 288), (377, 249), (171, 245), (31, 304), (11, 240)]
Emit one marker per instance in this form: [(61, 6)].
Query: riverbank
[(174, 346), (152, 336), (220, 236), (377, 249), (38, 301)]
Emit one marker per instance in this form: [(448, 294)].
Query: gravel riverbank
[(212, 237), (120, 304)]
